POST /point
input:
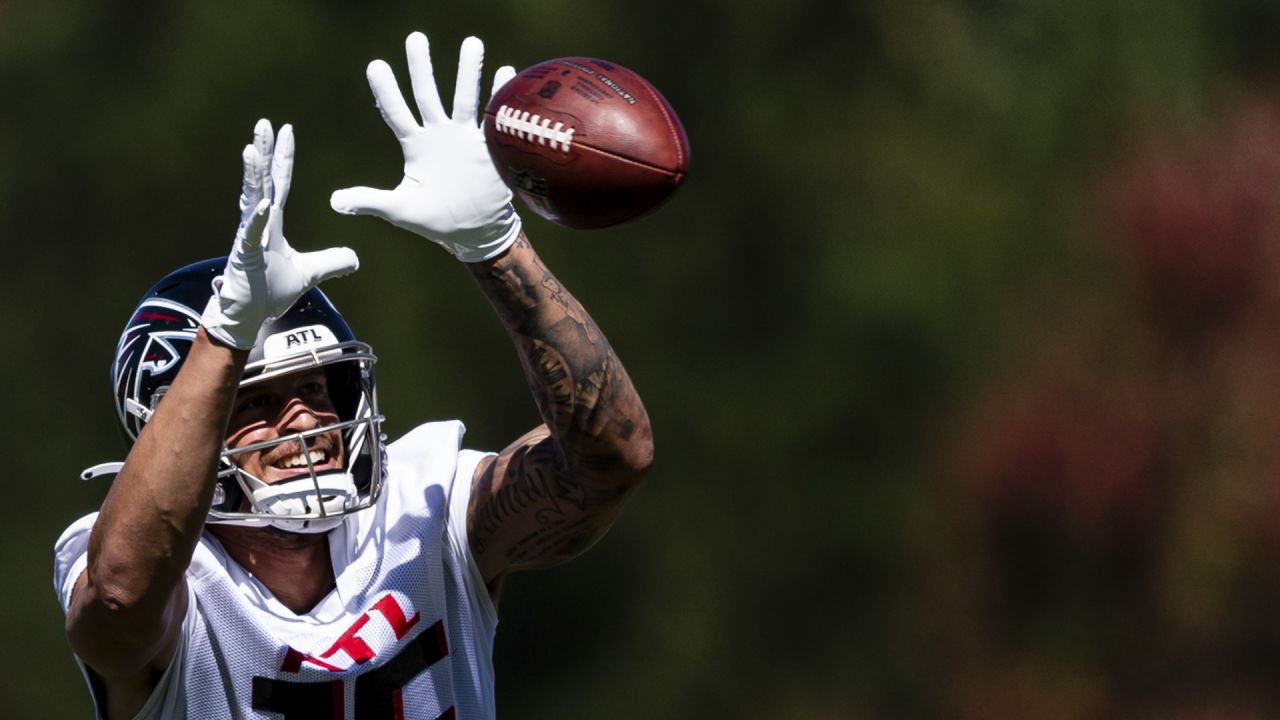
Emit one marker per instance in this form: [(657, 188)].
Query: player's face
[(281, 406)]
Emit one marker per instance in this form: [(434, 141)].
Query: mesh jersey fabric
[(407, 631)]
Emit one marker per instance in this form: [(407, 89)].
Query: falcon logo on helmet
[(151, 349)]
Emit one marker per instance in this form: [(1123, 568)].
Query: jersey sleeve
[(70, 558), (433, 476), (432, 455), (459, 499)]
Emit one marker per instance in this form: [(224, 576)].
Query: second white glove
[(264, 275), (450, 193)]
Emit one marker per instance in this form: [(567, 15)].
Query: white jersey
[(407, 632)]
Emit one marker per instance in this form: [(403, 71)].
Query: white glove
[(451, 193), (264, 276)]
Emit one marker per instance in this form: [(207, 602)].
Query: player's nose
[(299, 416)]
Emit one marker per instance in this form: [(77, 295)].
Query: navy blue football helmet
[(156, 341)]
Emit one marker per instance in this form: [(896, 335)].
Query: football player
[(263, 551)]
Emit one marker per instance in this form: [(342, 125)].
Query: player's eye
[(257, 401)]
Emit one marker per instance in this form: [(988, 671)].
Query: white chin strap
[(299, 497)]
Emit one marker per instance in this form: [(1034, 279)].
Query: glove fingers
[(264, 144), (395, 112), (282, 166), (466, 94), (249, 240), (251, 186), (362, 201), (423, 79), (322, 265), (502, 77)]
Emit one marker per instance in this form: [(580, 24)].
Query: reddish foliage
[(1142, 437)]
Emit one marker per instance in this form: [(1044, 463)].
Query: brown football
[(585, 143)]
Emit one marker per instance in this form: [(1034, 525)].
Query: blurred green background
[(961, 343)]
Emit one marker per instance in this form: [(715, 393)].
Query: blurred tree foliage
[(959, 342)]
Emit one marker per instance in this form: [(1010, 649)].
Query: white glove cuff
[(505, 234), (225, 329)]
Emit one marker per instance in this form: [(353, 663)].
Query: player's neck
[(295, 567)]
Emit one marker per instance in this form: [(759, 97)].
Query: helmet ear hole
[(343, 379)]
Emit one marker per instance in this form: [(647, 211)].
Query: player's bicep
[(530, 509)]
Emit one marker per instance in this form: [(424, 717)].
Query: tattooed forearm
[(519, 282), (556, 490), (582, 391)]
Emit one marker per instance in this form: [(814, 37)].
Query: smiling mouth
[(312, 458), (296, 460)]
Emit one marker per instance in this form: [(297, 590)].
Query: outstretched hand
[(264, 274), (450, 193)]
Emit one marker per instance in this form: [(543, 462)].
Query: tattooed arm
[(554, 492)]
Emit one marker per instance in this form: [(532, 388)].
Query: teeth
[(300, 460)]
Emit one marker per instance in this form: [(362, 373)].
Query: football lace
[(531, 128)]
